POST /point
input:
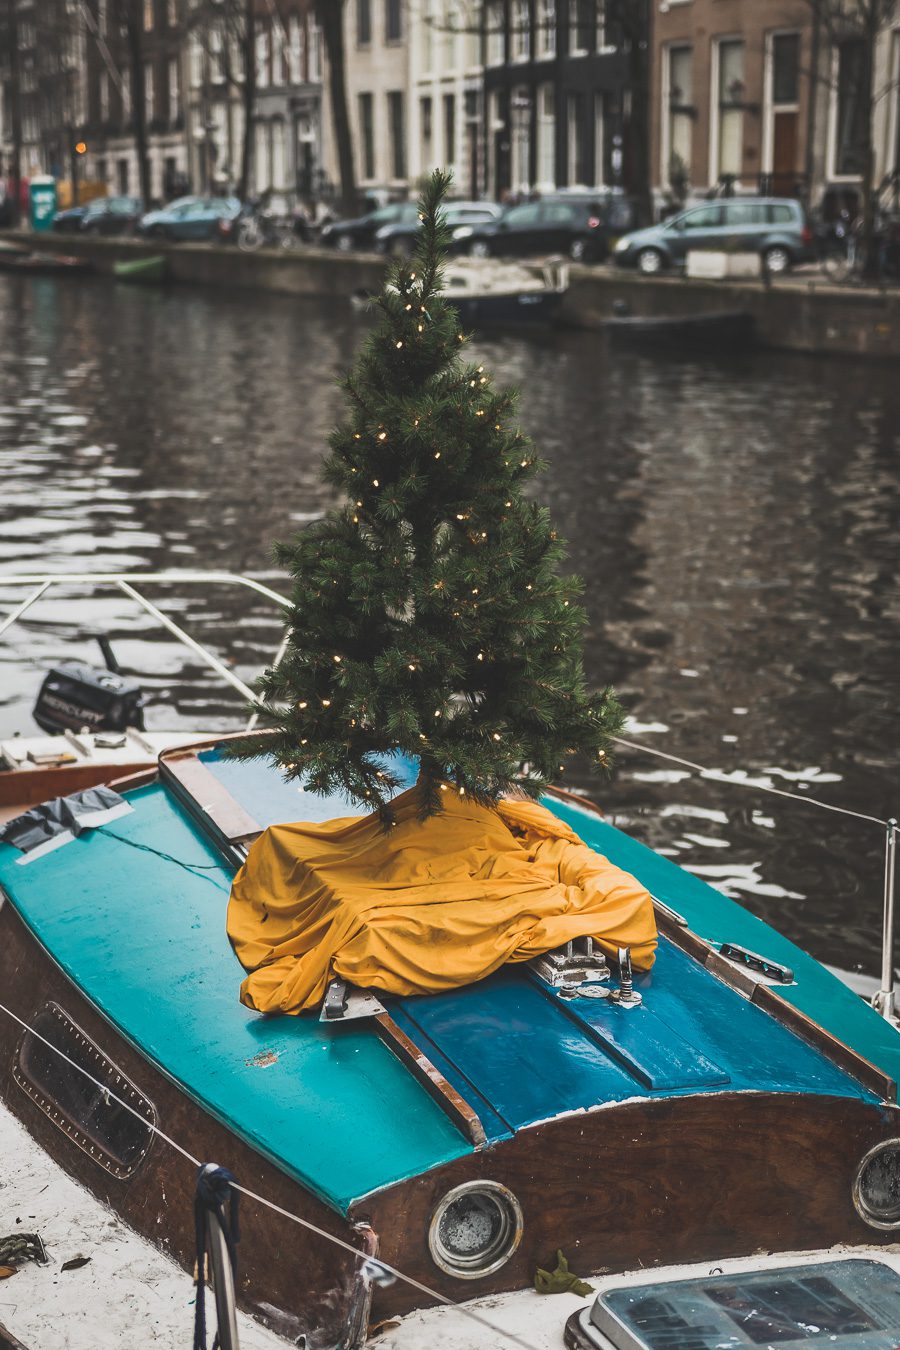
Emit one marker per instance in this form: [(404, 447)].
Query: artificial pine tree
[(427, 612)]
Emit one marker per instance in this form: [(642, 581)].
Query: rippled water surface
[(736, 522)]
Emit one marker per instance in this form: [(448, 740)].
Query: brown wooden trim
[(211, 798), (23, 788), (576, 799), (8, 1341), (134, 780), (434, 1082), (766, 996)]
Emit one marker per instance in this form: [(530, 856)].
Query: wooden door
[(784, 154)]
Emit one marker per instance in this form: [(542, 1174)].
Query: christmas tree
[(428, 615)]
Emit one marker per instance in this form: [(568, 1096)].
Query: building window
[(521, 31), (449, 26), (393, 20), (103, 89), (315, 53), (172, 13), (850, 130), (174, 105), (449, 130), (277, 52), (295, 50), (582, 26), (730, 109), (546, 136), (149, 103), (262, 57), (217, 62), (496, 44), (599, 141), (427, 34), (195, 62), (426, 132), (785, 68), (575, 166), (397, 132), (546, 29), (678, 114), (363, 22), (366, 134), (122, 176), (125, 93), (148, 16), (520, 109)]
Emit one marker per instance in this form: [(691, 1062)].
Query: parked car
[(68, 221), (360, 233), (188, 218), (774, 227), (112, 215), (462, 217), (581, 224)]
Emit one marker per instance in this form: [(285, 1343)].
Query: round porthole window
[(876, 1188), (475, 1229)]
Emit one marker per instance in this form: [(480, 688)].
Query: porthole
[(876, 1187), (475, 1229)]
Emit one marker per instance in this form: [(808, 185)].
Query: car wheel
[(777, 260), (480, 249), (578, 250), (650, 261), (344, 243)]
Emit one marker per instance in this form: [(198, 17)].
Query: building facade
[(286, 137), (556, 101), (446, 94), (377, 60)]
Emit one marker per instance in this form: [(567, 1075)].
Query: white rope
[(719, 776), (269, 1204)]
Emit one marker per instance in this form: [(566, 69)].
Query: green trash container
[(42, 203)]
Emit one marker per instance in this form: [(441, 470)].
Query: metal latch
[(578, 962), (626, 995)]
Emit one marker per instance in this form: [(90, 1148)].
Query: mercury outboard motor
[(74, 696)]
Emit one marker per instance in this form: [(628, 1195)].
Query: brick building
[(731, 96)]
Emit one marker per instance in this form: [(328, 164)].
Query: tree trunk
[(639, 118), (330, 16), (869, 198), (249, 98), (134, 25), (15, 98)]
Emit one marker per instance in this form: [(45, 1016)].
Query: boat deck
[(135, 915)]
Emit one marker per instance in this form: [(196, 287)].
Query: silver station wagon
[(774, 227)]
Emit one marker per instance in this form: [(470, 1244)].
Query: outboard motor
[(75, 696)]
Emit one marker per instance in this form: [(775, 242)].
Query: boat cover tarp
[(425, 906)]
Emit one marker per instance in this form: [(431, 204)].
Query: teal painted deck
[(143, 936), (716, 918)]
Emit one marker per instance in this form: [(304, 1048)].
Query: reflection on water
[(735, 521)]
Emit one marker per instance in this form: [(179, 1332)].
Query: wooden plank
[(205, 796), (8, 1341), (434, 1082)]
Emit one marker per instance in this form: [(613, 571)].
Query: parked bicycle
[(273, 223), (843, 249)]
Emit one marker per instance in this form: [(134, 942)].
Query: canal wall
[(801, 312)]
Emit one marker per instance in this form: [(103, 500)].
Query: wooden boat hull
[(624, 1185), (43, 264)]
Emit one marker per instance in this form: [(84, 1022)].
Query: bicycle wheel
[(837, 258), (284, 236), (249, 235)]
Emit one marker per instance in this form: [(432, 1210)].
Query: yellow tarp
[(423, 907)]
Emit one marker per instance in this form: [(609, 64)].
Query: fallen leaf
[(6, 1271), (76, 1263)]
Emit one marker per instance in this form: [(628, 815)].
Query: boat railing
[(884, 1000)]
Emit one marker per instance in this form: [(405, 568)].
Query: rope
[(719, 776), (509, 1336)]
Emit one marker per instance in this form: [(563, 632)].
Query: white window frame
[(545, 34), (545, 184), (495, 42), (521, 32), (573, 30)]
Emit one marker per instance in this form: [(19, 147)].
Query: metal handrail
[(123, 581)]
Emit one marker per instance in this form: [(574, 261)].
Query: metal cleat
[(577, 963)]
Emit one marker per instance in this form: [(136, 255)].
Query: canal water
[(735, 521)]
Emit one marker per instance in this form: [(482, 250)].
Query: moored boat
[(43, 264), (723, 330), (737, 1097), (141, 271)]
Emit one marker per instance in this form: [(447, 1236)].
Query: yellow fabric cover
[(423, 907)]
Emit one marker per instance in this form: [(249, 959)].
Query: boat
[(143, 271), (43, 264), (487, 292), (724, 330), (394, 1152)]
